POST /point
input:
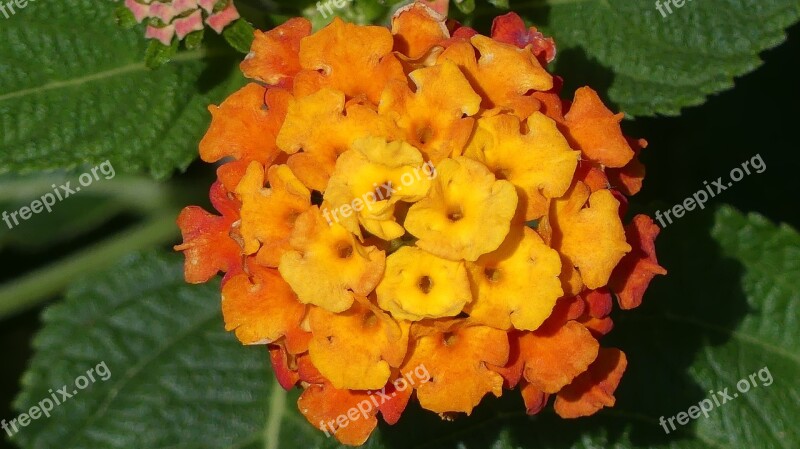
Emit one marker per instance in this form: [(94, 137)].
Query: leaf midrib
[(115, 388), (733, 333), (187, 56)]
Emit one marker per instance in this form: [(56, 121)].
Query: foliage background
[(729, 306)]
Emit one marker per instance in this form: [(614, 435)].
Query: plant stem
[(140, 193), (31, 289)]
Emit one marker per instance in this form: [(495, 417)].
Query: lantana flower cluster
[(168, 19), (421, 196)]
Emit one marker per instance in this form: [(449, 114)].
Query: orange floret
[(353, 59), (333, 410), (595, 130), (370, 179), (357, 349), (556, 353), (259, 306), (467, 213), (330, 255), (269, 214), (539, 162), (503, 75), (419, 285), (275, 55), (635, 271), (587, 231), (207, 243), (456, 360), (517, 284), (245, 125), (434, 117), (595, 388), (327, 408), (315, 148)]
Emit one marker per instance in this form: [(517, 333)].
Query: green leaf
[(726, 310), (158, 54), (649, 64), (74, 90), (125, 17), (465, 6), (239, 34), (178, 380), (194, 39)]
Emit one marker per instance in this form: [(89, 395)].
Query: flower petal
[(207, 244), (419, 285), (516, 285), (330, 255), (595, 388), (356, 349), (456, 361), (510, 29), (244, 126), (587, 231), (275, 54), (632, 276), (595, 130), (416, 29), (353, 59), (259, 306), (467, 213), (269, 214), (629, 178), (535, 399), (539, 162)]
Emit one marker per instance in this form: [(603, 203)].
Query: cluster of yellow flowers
[(421, 196)]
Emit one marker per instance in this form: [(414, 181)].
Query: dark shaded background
[(758, 116)]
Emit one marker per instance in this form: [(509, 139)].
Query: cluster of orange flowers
[(494, 271)]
